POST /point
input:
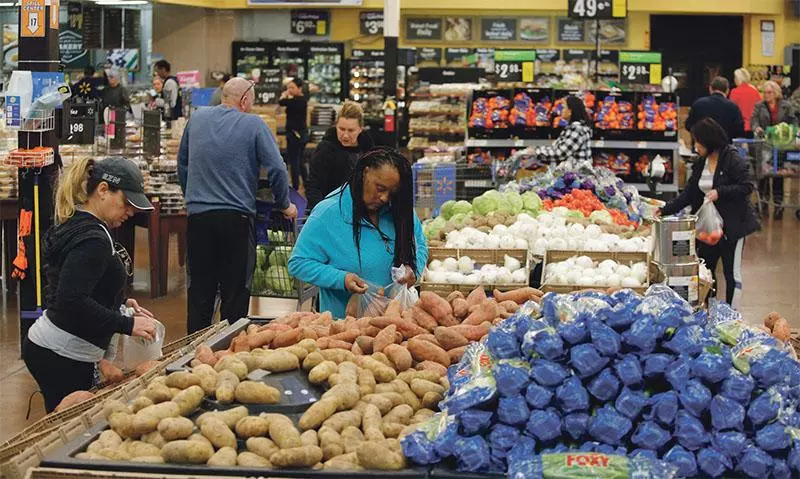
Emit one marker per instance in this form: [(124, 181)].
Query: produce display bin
[(487, 114), (480, 257), (530, 113), (58, 473), (447, 470), (556, 256), (297, 394), (615, 116)]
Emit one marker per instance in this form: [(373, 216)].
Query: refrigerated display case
[(289, 58), (325, 72), (365, 82), (250, 59)]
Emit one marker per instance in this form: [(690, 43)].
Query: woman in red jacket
[(745, 96)]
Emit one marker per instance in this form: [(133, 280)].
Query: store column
[(38, 52), (391, 34)]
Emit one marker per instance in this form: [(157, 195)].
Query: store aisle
[(771, 273)]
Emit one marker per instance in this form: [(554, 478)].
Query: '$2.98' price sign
[(640, 68), (514, 65)]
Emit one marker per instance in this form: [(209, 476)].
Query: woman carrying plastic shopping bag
[(720, 177), (359, 232)]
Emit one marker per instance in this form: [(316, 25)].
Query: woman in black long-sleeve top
[(721, 175)]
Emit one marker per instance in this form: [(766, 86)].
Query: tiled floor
[(771, 272)]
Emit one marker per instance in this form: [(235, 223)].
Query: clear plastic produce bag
[(407, 295), (709, 224), (372, 303), (136, 350)]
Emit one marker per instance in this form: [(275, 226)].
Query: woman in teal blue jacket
[(360, 231)]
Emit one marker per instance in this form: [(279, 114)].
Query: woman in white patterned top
[(573, 142)]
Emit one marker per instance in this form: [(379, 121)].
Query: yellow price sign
[(322, 28), (655, 73), (527, 72), (619, 8)]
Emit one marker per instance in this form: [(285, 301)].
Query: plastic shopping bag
[(372, 303), (709, 224), (136, 350), (406, 295)]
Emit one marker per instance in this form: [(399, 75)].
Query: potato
[(90, 456), (278, 361), (348, 462), (115, 454), (400, 414), (283, 432), (142, 449), (421, 415), (321, 372), (312, 360), (309, 438), (338, 356), (172, 428), (189, 399), (109, 438), (366, 381), (200, 438), (154, 438), (399, 356), (372, 423), (428, 375), (114, 405), (347, 395), (148, 418), (234, 365), (318, 412), (262, 446), (208, 378), (226, 456), (299, 351), (303, 456), (341, 420), (422, 386), (381, 372), (140, 403), (331, 443), (187, 452), (182, 380), (382, 358), (251, 392), (158, 392), (227, 381), (431, 400), (218, 433), (249, 459), (372, 455), (122, 424), (309, 345), (392, 429), (149, 459), (252, 426), (347, 373), (352, 437), (380, 401)]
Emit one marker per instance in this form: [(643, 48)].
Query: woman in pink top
[(745, 96)]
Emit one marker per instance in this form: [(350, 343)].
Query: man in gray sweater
[(222, 151)]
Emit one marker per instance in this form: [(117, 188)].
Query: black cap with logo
[(123, 174)]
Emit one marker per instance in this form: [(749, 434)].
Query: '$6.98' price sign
[(514, 65)]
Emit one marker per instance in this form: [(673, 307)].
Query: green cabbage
[(259, 283), (575, 214), (485, 204), (261, 257), (461, 207), (602, 217), (433, 227), (278, 280), (280, 256), (531, 201), (277, 236), (458, 219), (516, 201), (446, 210)]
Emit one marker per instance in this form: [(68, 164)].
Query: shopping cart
[(769, 162)]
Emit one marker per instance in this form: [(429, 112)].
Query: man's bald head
[(235, 89)]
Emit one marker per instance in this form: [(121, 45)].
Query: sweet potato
[(449, 339), (240, 343), (399, 356), (471, 332), (308, 333), (278, 327), (423, 318), (393, 309), (286, 338), (365, 343), (431, 338), (384, 338), (204, 354), (460, 308), (348, 336), (781, 330), (145, 366), (486, 311), (260, 338), (454, 295), (456, 354), (509, 306), (425, 351), (437, 307), (476, 296), (771, 319), (433, 366), (519, 295), (74, 398)]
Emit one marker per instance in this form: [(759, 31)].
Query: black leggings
[(730, 252), (56, 375), (295, 146)]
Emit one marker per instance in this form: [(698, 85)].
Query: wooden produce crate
[(557, 256), (480, 257)]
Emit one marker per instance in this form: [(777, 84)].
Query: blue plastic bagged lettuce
[(503, 437), (503, 344), (694, 397), (432, 440), (663, 408), (513, 410), (711, 368), (643, 334), (630, 403), (586, 361), (472, 454), (726, 414), (650, 435), (713, 462), (522, 460), (575, 424), (738, 387), (655, 364), (546, 343), (730, 443), (774, 437), (511, 376), (754, 462), (793, 460), (629, 370), (605, 340), (690, 432), (471, 380), (544, 425), (573, 332), (604, 386), (765, 407), (688, 340), (771, 368), (473, 421), (780, 469), (538, 397), (609, 426), (572, 396), (678, 372), (683, 460), (548, 373)]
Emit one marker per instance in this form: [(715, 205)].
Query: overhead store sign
[(640, 68), (427, 56), (459, 56), (310, 22), (33, 20), (300, 3), (70, 39), (367, 54), (514, 65), (499, 29), (371, 23), (441, 76), (424, 28), (570, 30), (592, 9)]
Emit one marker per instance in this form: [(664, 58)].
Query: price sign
[(371, 23), (640, 68), (594, 9), (268, 92), (308, 22), (514, 65), (80, 124)]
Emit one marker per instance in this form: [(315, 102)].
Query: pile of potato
[(431, 335)]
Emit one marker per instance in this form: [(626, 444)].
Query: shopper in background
[(794, 101), (296, 130), (86, 276), (573, 144), (719, 108), (114, 95), (173, 98), (216, 98), (157, 95), (772, 111), (336, 155), (745, 96), (356, 235), (222, 151), (87, 87), (720, 175)]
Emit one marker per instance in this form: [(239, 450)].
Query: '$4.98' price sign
[(640, 68), (514, 65)]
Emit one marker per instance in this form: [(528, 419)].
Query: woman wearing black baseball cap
[(86, 276)]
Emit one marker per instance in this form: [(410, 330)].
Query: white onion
[(574, 276), (592, 231), (473, 278), (623, 270), (540, 246), (521, 244), (492, 242), (435, 265), (630, 283), (503, 276), (500, 230), (519, 276), (613, 280), (507, 242), (584, 262), (465, 265), (512, 264), (576, 230), (450, 264), (437, 276)]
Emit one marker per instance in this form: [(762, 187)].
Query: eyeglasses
[(251, 87), (125, 258)]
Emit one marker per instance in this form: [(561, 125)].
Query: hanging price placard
[(80, 123), (269, 90), (640, 68), (514, 65), (371, 23), (592, 9), (310, 22)]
